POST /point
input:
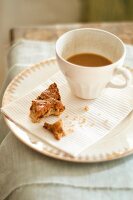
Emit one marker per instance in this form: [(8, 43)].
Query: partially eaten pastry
[(47, 103), (56, 129)]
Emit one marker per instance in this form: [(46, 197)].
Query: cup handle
[(127, 76)]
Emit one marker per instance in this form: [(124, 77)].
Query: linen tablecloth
[(26, 174)]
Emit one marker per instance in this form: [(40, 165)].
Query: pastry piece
[(45, 108), (51, 92), (46, 104), (56, 129)]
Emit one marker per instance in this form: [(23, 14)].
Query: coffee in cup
[(89, 58)]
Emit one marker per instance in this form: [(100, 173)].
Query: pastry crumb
[(74, 118), (70, 130), (92, 124), (55, 128), (86, 108), (83, 121), (105, 122)]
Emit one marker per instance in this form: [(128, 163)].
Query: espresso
[(89, 60)]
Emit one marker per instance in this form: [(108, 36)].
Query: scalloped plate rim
[(109, 157)]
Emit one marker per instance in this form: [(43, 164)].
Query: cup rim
[(93, 29)]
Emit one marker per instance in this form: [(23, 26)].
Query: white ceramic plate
[(117, 144)]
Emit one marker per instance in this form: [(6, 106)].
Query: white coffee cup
[(89, 82)]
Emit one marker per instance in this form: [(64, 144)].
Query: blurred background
[(15, 13)]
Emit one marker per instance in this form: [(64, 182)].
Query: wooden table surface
[(51, 32)]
